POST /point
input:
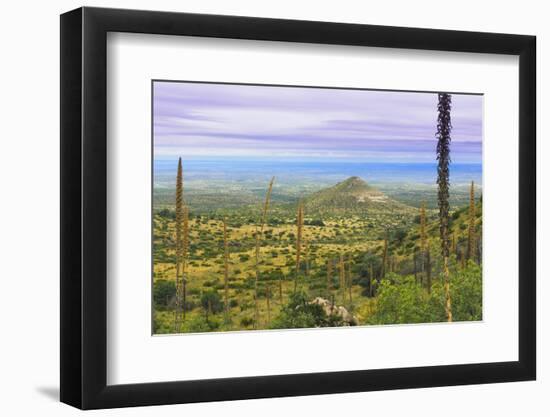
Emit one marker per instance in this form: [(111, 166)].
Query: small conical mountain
[(350, 195)]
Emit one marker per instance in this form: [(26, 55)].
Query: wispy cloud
[(213, 120)]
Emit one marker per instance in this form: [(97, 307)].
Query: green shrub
[(299, 313), (466, 293), (199, 324), (402, 300), (246, 306), (211, 301), (167, 214), (163, 292), (247, 321)]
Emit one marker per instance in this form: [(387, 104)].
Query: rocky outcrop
[(333, 309)]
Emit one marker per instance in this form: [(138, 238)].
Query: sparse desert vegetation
[(368, 258)]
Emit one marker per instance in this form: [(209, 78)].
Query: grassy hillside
[(458, 231)]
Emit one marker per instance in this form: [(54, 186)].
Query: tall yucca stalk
[(299, 232), (423, 237), (428, 271), (471, 224), (342, 278), (371, 280), (225, 269), (384, 257), (415, 267), (259, 234), (306, 255), (280, 290), (480, 236), (349, 279), (453, 242), (184, 257), (443, 158), (479, 247), (267, 201), (179, 244), (267, 298), (425, 265), (329, 277)]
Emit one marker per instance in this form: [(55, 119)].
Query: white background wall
[(29, 219)]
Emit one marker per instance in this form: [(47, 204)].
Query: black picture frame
[(84, 207)]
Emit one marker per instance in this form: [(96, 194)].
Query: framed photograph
[(256, 208)]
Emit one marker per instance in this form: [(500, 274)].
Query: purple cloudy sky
[(197, 120)]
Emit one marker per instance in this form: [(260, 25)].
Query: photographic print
[(285, 207)]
